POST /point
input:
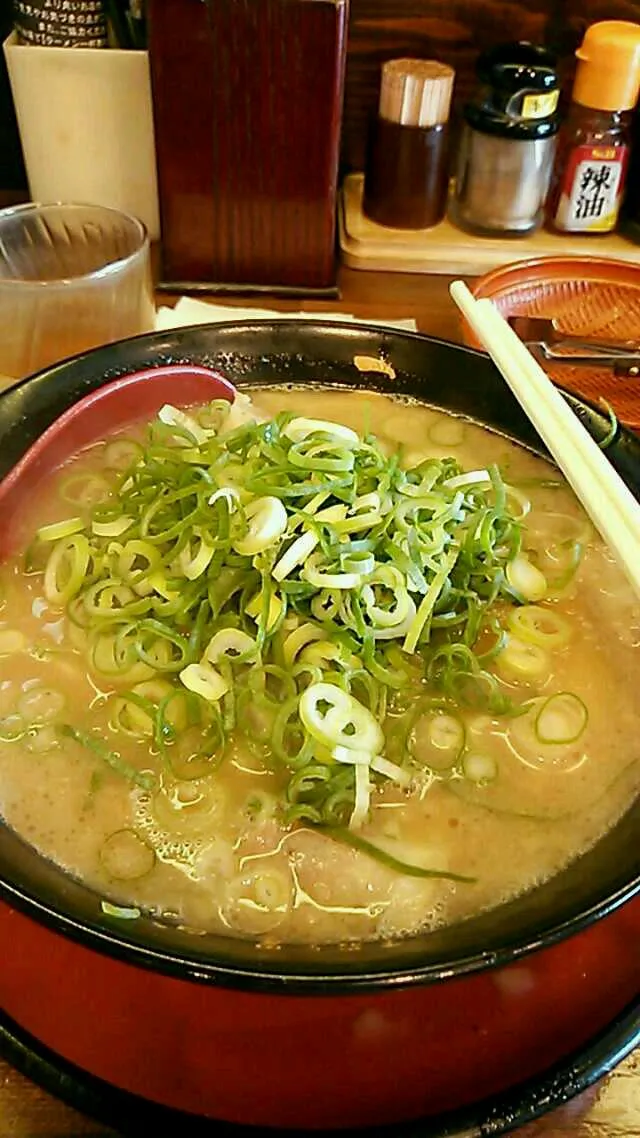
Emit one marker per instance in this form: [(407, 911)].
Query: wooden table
[(611, 1110)]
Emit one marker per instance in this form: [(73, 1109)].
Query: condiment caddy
[(446, 249), (520, 163)]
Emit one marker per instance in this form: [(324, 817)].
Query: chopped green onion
[(266, 608), (525, 579), (478, 768), (436, 737), (429, 602), (362, 801), (515, 494), (126, 857), (522, 660), (390, 770), (319, 574), (120, 912), (297, 554), (471, 478), (446, 431), (190, 807), (204, 681), (91, 743), (112, 529), (357, 842), (194, 561), (66, 569), (173, 417), (540, 626), (301, 636), (349, 756), (267, 521), (122, 453), (334, 718), (299, 429), (232, 644), (562, 718), (85, 490), (57, 530), (292, 578)]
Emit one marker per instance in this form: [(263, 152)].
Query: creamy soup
[(323, 667)]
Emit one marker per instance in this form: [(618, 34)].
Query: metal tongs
[(546, 341)]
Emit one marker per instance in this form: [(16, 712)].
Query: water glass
[(72, 277)]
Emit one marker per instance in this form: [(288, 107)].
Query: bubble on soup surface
[(413, 905), (332, 874), (258, 901), (215, 858), (190, 808), (173, 849)]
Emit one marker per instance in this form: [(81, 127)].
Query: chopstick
[(607, 500)]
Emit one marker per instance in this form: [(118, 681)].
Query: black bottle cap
[(520, 91)]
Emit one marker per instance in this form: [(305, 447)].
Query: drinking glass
[(71, 277)]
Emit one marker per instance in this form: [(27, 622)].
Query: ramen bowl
[(486, 1022)]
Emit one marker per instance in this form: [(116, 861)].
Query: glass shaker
[(508, 141)]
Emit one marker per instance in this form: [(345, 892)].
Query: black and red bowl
[(498, 1017)]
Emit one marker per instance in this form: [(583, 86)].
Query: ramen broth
[(494, 802)]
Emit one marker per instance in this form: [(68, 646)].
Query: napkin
[(188, 311)]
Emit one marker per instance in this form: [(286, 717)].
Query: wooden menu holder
[(247, 106)]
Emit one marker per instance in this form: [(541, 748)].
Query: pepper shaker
[(508, 142)]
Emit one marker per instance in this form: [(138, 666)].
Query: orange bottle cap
[(608, 75)]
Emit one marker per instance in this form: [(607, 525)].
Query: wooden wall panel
[(454, 31)]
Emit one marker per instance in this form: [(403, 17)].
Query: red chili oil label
[(592, 189)]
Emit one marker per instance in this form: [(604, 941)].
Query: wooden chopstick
[(607, 500)]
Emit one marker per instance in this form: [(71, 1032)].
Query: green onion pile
[(288, 581)]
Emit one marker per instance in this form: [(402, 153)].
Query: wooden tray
[(446, 249)]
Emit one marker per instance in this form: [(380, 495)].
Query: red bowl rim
[(544, 270)]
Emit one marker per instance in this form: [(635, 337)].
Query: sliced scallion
[(540, 626), (90, 742), (479, 768), (357, 842), (291, 580), (562, 718), (125, 856)]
